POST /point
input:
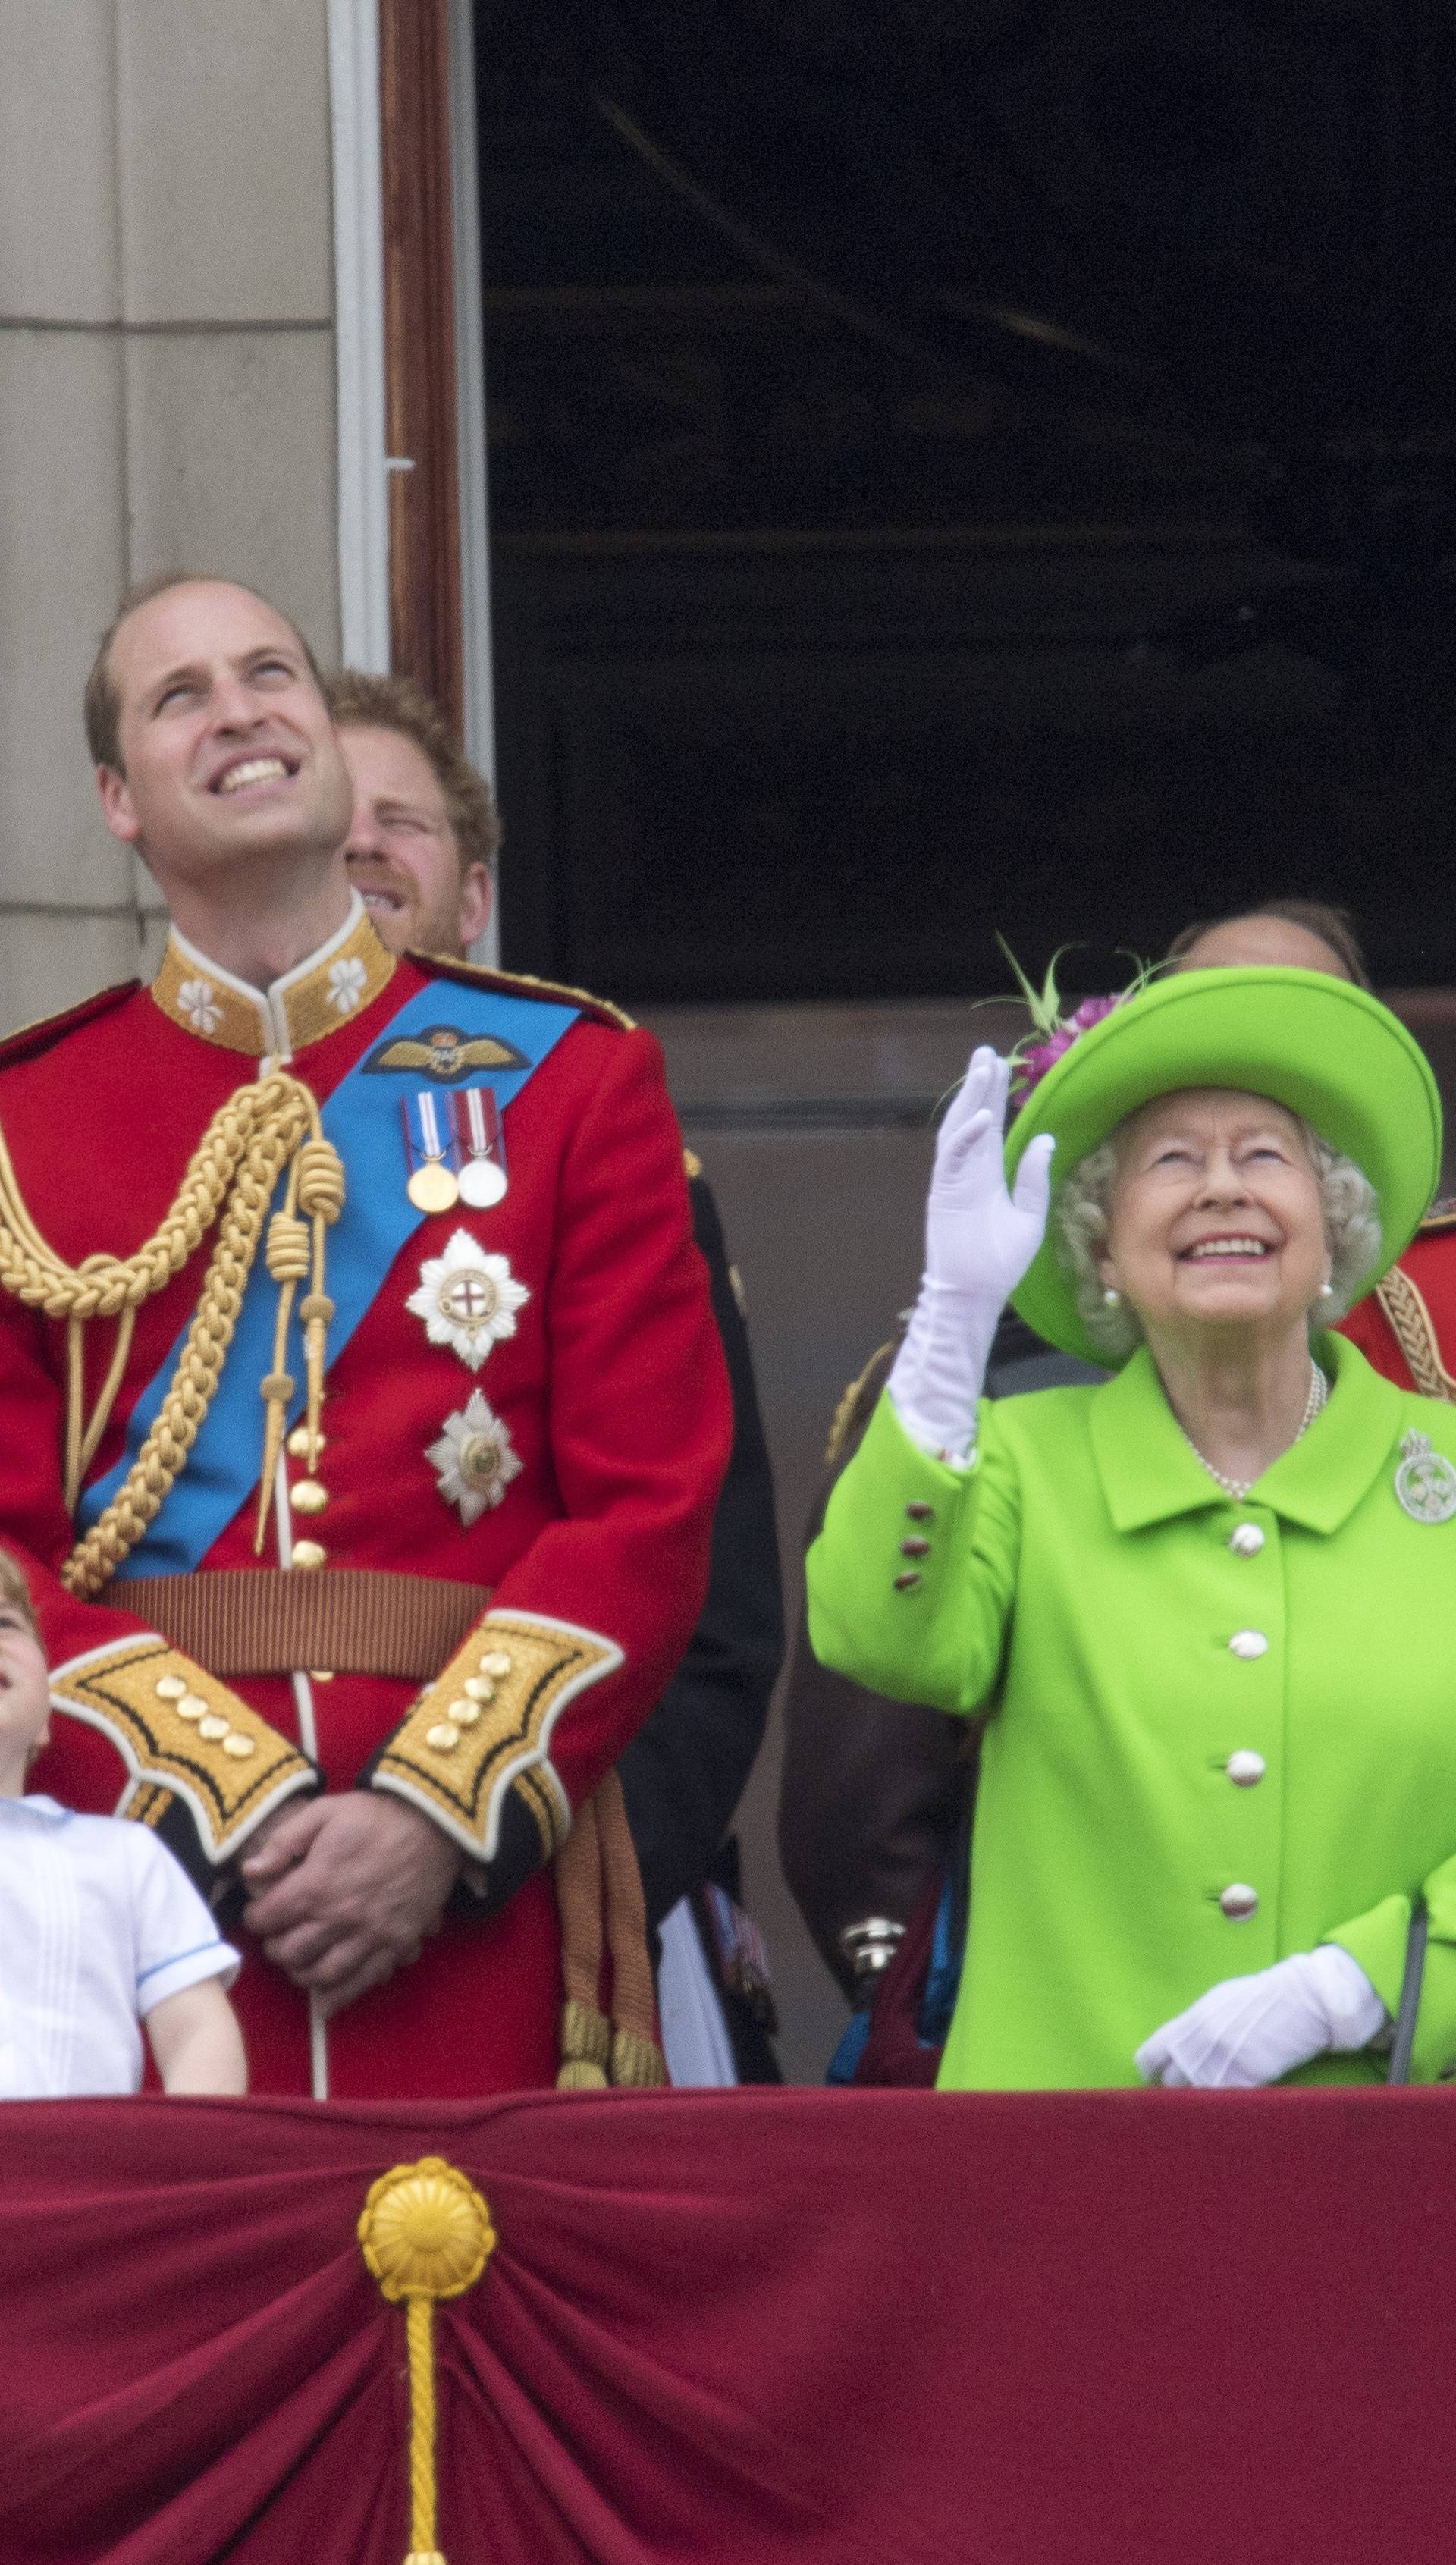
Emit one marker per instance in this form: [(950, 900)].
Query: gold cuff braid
[(180, 1730), (486, 1725)]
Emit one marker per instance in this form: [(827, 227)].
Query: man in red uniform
[(364, 1413)]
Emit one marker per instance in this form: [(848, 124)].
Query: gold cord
[(419, 2331), (231, 1178)]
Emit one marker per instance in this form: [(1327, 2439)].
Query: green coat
[(1079, 1587)]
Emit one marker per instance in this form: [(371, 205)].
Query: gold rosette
[(425, 2233)]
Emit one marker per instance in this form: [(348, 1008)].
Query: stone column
[(166, 398)]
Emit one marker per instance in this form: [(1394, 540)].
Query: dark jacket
[(683, 1773)]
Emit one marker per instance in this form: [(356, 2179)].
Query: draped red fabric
[(838, 2328)]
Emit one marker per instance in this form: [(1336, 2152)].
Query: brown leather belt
[(340, 1620)]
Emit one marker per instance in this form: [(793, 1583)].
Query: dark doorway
[(957, 471)]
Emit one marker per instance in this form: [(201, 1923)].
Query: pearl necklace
[(1239, 1487)]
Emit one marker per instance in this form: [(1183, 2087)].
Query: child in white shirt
[(102, 1933)]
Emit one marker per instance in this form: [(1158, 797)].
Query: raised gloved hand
[(979, 1242), (1247, 2031)]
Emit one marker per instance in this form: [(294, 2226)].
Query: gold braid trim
[(1416, 1333), (182, 1735), (845, 1415), (484, 1727), (261, 1129), (451, 967)]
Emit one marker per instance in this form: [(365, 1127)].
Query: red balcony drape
[(839, 2329)]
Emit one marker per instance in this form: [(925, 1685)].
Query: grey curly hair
[(1084, 1223)]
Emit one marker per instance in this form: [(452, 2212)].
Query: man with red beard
[(362, 1457)]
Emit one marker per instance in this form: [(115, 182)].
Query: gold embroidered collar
[(312, 999)]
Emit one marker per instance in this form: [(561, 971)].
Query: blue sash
[(362, 1119)]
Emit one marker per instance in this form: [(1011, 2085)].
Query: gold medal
[(432, 1188), (429, 1145)]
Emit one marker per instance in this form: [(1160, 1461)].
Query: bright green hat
[(1319, 1046)]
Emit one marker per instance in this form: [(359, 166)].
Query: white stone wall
[(166, 397)]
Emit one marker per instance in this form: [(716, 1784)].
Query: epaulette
[(846, 1414), (32, 1040), (524, 984), (692, 1165), (1441, 1215)]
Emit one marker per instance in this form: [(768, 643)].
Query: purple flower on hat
[(1032, 1064), (1053, 1032)]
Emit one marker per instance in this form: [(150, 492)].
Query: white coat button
[(1239, 1901), (1243, 1768), (1246, 1540), (1249, 1643)]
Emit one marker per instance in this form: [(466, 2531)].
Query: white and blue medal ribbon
[(429, 1146)]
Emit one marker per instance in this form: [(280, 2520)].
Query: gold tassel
[(636, 2061), (425, 2233), (585, 2047)]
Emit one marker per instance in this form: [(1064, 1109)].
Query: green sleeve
[(1378, 1941), (928, 1626)]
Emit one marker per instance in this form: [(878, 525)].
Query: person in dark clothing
[(684, 1771)]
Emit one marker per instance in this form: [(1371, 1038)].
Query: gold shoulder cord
[(1415, 1330), (234, 1171)]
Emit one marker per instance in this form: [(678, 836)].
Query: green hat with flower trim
[(1318, 1045)]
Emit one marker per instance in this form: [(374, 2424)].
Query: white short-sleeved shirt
[(98, 1923)]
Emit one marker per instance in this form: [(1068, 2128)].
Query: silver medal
[(476, 1120), (1425, 1482), (482, 1183)]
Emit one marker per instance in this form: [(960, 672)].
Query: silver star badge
[(474, 1459), (468, 1298)]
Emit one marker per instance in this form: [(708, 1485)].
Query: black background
[(966, 467)]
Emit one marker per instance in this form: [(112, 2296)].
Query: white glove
[(1251, 2031), (979, 1240)]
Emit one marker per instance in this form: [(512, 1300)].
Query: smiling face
[(402, 851), (1216, 1218), (228, 753)]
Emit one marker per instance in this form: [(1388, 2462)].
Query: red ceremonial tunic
[(611, 1392), (1420, 1293)]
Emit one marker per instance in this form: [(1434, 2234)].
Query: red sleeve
[(1368, 1327), (1419, 1293), (641, 1415)]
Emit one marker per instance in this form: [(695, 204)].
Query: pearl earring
[(1113, 1300), (1326, 1290)]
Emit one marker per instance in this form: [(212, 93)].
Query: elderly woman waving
[(1207, 1610)]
